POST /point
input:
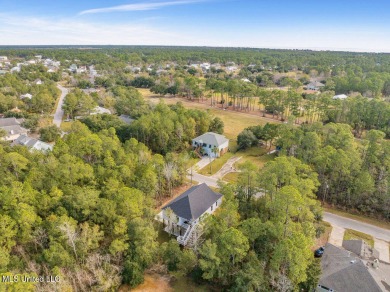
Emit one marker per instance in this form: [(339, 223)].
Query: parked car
[(319, 252)]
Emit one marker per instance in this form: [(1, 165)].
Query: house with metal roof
[(183, 216), (32, 144), (211, 144)]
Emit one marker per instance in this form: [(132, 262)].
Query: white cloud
[(18, 30), (139, 6)]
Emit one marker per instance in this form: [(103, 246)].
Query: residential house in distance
[(316, 85), (100, 110), (13, 128), (354, 268), (3, 58), (340, 96), (73, 68), (126, 119), (32, 144), (211, 144), (183, 215), (27, 95)]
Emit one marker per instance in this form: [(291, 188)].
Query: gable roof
[(194, 202), (343, 271), (211, 138), (5, 122)]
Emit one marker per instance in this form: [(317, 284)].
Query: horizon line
[(344, 50)]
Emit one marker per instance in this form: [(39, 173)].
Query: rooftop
[(211, 138), (194, 202), (344, 271)]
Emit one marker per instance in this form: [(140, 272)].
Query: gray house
[(345, 271), (13, 128), (183, 215), (212, 144), (32, 144)]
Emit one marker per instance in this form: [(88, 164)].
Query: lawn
[(256, 155), (231, 177), (353, 234), (66, 126), (216, 164)]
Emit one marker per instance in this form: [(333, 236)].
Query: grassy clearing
[(231, 177), (216, 164), (234, 121), (372, 221), (353, 234), (256, 155), (66, 126)]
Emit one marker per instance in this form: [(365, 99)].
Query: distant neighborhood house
[(211, 144), (12, 128), (316, 85), (340, 96), (27, 95), (183, 215), (100, 110)]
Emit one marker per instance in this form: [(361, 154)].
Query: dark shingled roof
[(343, 271), (194, 202)]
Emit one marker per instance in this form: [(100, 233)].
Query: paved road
[(59, 112), (210, 181), (381, 233)]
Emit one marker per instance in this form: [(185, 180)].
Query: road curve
[(59, 111), (344, 222)]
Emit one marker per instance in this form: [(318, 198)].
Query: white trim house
[(182, 216), (212, 144)]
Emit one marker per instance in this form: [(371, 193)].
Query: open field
[(353, 234), (234, 121)]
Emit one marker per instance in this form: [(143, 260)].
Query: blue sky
[(333, 25)]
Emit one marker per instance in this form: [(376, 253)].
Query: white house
[(212, 144), (100, 110), (13, 128), (3, 58), (314, 85), (183, 215), (340, 96), (32, 144)]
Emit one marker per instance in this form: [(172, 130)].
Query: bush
[(50, 133), (246, 139)]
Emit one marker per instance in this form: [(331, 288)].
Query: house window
[(211, 208), (209, 146), (204, 145), (216, 203)]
